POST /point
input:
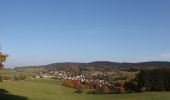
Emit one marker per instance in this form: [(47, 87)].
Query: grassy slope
[(53, 90), (12, 73)]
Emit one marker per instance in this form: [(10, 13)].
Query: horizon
[(43, 32), (83, 63)]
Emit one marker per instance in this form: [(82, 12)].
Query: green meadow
[(13, 73), (44, 89)]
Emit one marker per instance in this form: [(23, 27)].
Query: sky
[(38, 32)]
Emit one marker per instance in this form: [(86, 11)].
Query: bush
[(79, 89), (68, 83), (120, 90), (131, 86), (106, 89), (2, 78), (19, 77)]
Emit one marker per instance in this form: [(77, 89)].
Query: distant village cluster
[(88, 80), (82, 76)]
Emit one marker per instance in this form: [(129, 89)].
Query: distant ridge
[(99, 65)]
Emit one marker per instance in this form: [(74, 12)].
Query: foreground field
[(53, 90)]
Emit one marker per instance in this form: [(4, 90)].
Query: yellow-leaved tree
[(3, 58)]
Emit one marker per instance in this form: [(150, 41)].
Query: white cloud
[(167, 54), (160, 57)]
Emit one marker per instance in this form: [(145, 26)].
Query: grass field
[(53, 90), (13, 72)]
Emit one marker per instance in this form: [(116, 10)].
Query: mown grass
[(12, 73), (41, 89)]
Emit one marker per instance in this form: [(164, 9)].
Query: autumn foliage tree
[(19, 77), (3, 78), (106, 89), (2, 59)]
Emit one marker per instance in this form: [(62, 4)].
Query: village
[(83, 76), (88, 80)]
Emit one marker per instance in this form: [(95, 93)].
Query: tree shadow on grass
[(4, 95)]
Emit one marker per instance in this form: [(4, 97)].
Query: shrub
[(2, 78), (131, 86), (106, 89), (19, 77), (121, 89)]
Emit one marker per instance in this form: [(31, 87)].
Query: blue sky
[(36, 32)]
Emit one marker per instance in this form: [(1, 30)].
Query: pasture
[(45, 89)]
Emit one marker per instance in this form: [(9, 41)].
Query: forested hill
[(99, 65)]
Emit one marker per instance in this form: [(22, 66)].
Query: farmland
[(46, 89)]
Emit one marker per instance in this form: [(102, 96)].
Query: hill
[(97, 66)]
